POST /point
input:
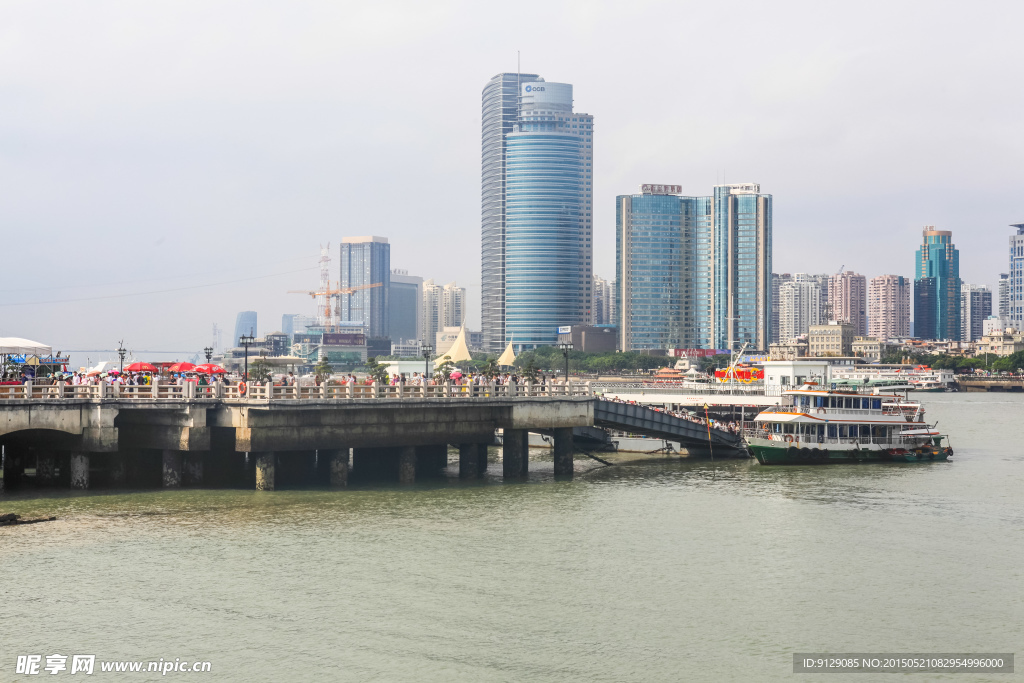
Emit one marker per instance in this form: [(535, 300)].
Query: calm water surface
[(655, 572)]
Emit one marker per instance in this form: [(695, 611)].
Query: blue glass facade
[(542, 236), (245, 324), (366, 261), (937, 287)]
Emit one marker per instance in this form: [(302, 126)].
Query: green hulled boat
[(822, 427)]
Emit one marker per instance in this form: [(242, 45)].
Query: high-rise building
[(741, 267), (1004, 296), (975, 307), (245, 324), (847, 297), (443, 306), (366, 261), (547, 216), (499, 114), (889, 307), (777, 280), (654, 260), (529, 126), (604, 301), (1015, 286), (405, 309), (937, 287), (292, 323), (799, 302), (722, 250)]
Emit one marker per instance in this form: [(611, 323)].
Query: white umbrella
[(16, 346)]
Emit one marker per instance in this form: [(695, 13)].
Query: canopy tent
[(508, 357), (458, 352), (16, 346)]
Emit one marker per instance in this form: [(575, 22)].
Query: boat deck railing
[(810, 441), (903, 409)]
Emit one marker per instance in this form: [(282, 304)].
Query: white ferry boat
[(822, 426)]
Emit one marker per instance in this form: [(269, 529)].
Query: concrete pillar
[(172, 469), (512, 452), (468, 461), (192, 469), (407, 465), (481, 459), (79, 470), (264, 471), (526, 453), (46, 469), (563, 451), (338, 463), (118, 469)]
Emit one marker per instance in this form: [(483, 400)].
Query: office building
[(889, 307), (847, 298), (245, 324), (603, 298), (654, 261), (499, 114), (1015, 283), (405, 308), (975, 307), (539, 216), (799, 301), (548, 178), (296, 323), (366, 265), (777, 280), (831, 339), (937, 287), (443, 306), (741, 266)]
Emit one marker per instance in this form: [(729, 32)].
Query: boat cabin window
[(819, 401), (865, 431), (833, 431), (788, 428), (876, 404), (842, 431)]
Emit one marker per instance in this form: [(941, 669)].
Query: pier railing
[(190, 391), (758, 389)]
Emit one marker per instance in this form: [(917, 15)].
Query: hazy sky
[(147, 147)]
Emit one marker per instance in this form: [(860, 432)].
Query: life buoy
[(789, 438), (241, 388)]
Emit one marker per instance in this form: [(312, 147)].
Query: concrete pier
[(481, 459), (79, 470), (192, 469), (514, 442), (337, 460), (469, 462), (46, 469), (563, 451), (118, 470), (171, 469), (407, 465), (265, 471)]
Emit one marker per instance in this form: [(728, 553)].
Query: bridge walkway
[(628, 417)]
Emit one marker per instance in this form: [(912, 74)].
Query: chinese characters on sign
[(29, 664), (661, 189)]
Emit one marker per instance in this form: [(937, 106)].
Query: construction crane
[(325, 314)]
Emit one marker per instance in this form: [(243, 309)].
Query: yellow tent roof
[(508, 357), (459, 350)]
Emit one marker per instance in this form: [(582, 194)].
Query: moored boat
[(821, 426)]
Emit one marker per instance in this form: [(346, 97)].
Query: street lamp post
[(209, 353), (121, 352), (246, 340), (566, 347), (427, 351)]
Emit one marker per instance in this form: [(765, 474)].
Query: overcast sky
[(147, 147)]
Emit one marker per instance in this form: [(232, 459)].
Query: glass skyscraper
[(541, 118), (937, 287), (245, 324), (694, 272), (499, 113), (1014, 304), (367, 261)]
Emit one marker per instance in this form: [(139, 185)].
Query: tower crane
[(326, 315)]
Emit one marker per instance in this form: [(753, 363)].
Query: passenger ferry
[(822, 426)]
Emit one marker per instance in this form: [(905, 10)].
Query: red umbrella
[(140, 367), (184, 366), (209, 369)]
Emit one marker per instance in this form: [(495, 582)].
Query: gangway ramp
[(638, 419)]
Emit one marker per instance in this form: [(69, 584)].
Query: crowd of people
[(728, 426)]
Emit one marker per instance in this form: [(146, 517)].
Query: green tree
[(323, 370), (529, 371), (379, 373), (443, 372), (259, 371), (490, 367)]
